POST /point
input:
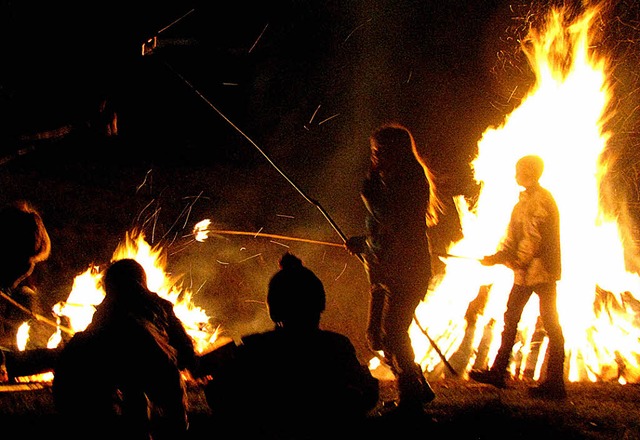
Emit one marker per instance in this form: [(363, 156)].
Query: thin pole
[(435, 347), (35, 315), (275, 236), (314, 202)]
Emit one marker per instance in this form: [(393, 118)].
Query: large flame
[(561, 120), (87, 292)]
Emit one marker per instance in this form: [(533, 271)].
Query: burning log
[(482, 355), (460, 359), (565, 119), (30, 362), (536, 343)]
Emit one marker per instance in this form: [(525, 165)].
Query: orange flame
[(561, 120), (87, 292)]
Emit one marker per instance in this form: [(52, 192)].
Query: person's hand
[(356, 245)]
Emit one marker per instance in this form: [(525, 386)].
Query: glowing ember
[(86, 293), (560, 120)]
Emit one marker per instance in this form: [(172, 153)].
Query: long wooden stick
[(435, 347), (277, 237), (35, 315)]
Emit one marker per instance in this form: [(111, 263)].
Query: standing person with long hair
[(399, 194)]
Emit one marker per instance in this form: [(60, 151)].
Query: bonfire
[(458, 324), (562, 120)]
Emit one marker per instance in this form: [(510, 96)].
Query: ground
[(461, 410)]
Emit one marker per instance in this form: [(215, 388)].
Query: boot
[(426, 392), (414, 390), (552, 387)]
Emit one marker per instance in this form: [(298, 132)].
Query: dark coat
[(123, 370), (287, 382)]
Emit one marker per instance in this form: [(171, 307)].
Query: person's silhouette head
[(24, 242), (529, 170), (296, 296), (392, 148), (123, 278), (396, 159)]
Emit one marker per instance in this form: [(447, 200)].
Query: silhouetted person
[(296, 381), (531, 249), (399, 195), (24, 242), (122, 374)]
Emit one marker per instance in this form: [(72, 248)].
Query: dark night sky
[(306, 81)]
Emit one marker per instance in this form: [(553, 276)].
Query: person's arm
[(371, 197), (215, 361), (524, 236), (31, 361)]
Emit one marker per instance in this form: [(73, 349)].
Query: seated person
[(293, 381), (122, 374), (25, 244)]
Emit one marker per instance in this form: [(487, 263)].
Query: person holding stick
[(25, 243), (400, 197), (531, 249)]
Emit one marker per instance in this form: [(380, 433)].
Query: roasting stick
[(463, 257), (275, 236), (36, 315), (315, 203)]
